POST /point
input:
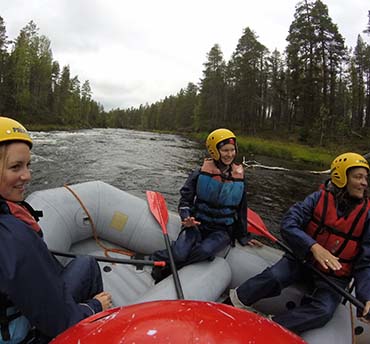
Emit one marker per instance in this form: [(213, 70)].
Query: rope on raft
[(94, 231)]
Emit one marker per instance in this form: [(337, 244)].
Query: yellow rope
[(94, 231)]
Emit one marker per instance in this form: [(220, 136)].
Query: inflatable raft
[(96, 218)]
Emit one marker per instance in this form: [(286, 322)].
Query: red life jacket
[(21, 212), (340, 235)]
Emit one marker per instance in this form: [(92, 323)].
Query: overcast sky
[(139, 51)]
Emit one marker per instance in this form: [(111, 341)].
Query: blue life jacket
[(218, 196), (14, 325)]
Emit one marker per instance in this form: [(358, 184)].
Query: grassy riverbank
[(288, 151), (314, 156)]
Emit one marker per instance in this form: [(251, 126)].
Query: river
[(137, 161)]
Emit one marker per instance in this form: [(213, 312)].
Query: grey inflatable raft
[(85, 217)]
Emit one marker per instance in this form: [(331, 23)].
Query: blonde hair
[(3, 158)]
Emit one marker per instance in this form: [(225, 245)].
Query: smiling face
[(14, 171), (227, 153), (357, 182)]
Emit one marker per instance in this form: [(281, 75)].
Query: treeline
[(35, 90), (317, 91)]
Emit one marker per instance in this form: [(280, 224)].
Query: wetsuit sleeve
[(188, 194), (240, 226), (93, 306), (294, 223), (362, 266), (29, 275)]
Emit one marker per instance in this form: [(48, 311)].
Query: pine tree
[(367, 30), (86, 95), (212, 102), (64, 96), (3, 64), (246, 78), (314, 56), (277, 95), (358, 84)]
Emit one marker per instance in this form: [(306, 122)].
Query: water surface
[(137, 161)]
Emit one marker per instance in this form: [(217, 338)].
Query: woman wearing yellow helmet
[(330, 229), (212, 206), (30, 277)]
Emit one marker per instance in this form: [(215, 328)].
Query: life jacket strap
[(4, 323)]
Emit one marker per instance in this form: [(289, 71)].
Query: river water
[(137, 161)]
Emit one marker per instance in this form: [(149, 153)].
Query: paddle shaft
[(158, 208), (322, 275), (176, 278), (113, 260), (316, 271)]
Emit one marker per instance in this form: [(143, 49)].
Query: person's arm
[(187, 197), (303, 245), (30, 277), (361, 270), (294, 222), (240, 231), (240, 228), (365, 313)]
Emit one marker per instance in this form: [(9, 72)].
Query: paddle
[(258, 227), (158, 207), (113, 260)]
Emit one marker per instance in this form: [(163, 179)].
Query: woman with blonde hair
[(39, 298)]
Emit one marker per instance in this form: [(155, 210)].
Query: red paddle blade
[(158, 207), (257, 226)]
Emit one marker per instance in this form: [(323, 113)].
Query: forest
[(316, 91)]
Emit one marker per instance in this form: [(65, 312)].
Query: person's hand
[(255, 242), (365, 312), (105, 299), (325, 258), (190, 222)]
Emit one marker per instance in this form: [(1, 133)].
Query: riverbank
[(293, 152)]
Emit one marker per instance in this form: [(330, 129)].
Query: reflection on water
[(137, 161)]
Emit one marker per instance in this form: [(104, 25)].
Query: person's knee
[(272, 275), (324, 314), (322, 319), (84, 260), (180, 256), (87, 266), (87, 261), (207, 251), (279, 276)]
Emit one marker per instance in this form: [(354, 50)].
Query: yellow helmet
[(340, 165), (11, 130), (215, 137)]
